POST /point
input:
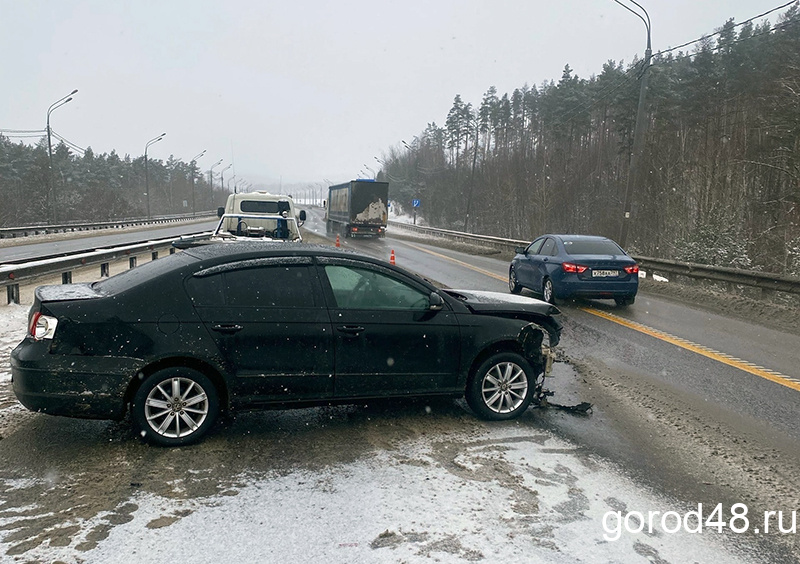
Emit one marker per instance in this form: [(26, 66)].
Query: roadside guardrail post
[(12, 292), (66, 277), (105, 270), (132, 262), (154, 255)]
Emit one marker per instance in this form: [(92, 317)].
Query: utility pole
[(57, 104), (634, 173), (191, 169), (146, 176)]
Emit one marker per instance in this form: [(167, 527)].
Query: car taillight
[(634, 269), (42, 326), (570, 267), (354, 229)]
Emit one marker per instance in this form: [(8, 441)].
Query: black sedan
[(257, 325), (566, 266)]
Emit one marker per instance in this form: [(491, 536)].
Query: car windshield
[(592, 247)]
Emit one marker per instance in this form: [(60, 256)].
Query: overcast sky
[(301, 91)]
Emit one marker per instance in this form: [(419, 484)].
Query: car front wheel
[(175, 407), (502, 387), (513, 284), (548, 293)]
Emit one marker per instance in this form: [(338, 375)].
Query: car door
[(387, 339), (525, 269), (543, 263), (271, 327)]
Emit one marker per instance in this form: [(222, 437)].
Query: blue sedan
[(565, 266)]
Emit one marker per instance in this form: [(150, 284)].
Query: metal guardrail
[(29, 230), (765, 281), (11, 275)]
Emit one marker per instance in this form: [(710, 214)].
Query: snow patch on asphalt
[(512, 496)]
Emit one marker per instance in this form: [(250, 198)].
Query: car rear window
[(147, 271), (261, 206), (592, 247)]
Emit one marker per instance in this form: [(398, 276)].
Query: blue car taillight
[(574, 268)]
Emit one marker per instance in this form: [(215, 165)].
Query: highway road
[(694, 401), (27, 248), (699, 406)]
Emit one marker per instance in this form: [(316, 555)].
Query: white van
[(259, 215)]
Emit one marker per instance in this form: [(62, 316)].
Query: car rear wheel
[(502, 387), (625, 301), (513, 283), (175, 406)]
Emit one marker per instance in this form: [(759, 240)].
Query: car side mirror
[(436, 302), (302, 215), (519, 250), (220, 212)]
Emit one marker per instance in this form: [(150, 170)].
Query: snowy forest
[(720, 169), (89, 187)]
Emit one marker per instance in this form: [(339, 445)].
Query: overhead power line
[(639, 67), (68, 143), (698, 40), (39, 131)]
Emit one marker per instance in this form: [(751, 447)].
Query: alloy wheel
[(176, 407), (504, 387)]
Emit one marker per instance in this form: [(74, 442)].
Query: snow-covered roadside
[(13, 324), (512, 496)]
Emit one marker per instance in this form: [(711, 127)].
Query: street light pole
[(146, 177), (57, 104), (638, 131), (191, 167), (211, 180), (222, 177)]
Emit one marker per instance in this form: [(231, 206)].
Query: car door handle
[(350, 329), (227, 329)]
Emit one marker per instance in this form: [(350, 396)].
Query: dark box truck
[(358, 208)]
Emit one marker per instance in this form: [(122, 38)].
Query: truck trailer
[(358, 208)]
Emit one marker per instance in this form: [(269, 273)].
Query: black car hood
[(481, 301), (513, 306)]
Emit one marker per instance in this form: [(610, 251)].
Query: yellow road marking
[(749, 367), (460, 262)]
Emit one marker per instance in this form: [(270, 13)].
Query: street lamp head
[(73, 92), (153, 140)]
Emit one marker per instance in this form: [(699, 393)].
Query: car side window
[(268, 286), (533, 248), (362, 288), (549, 248)]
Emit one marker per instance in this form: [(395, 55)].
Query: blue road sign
[(415, 203)]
